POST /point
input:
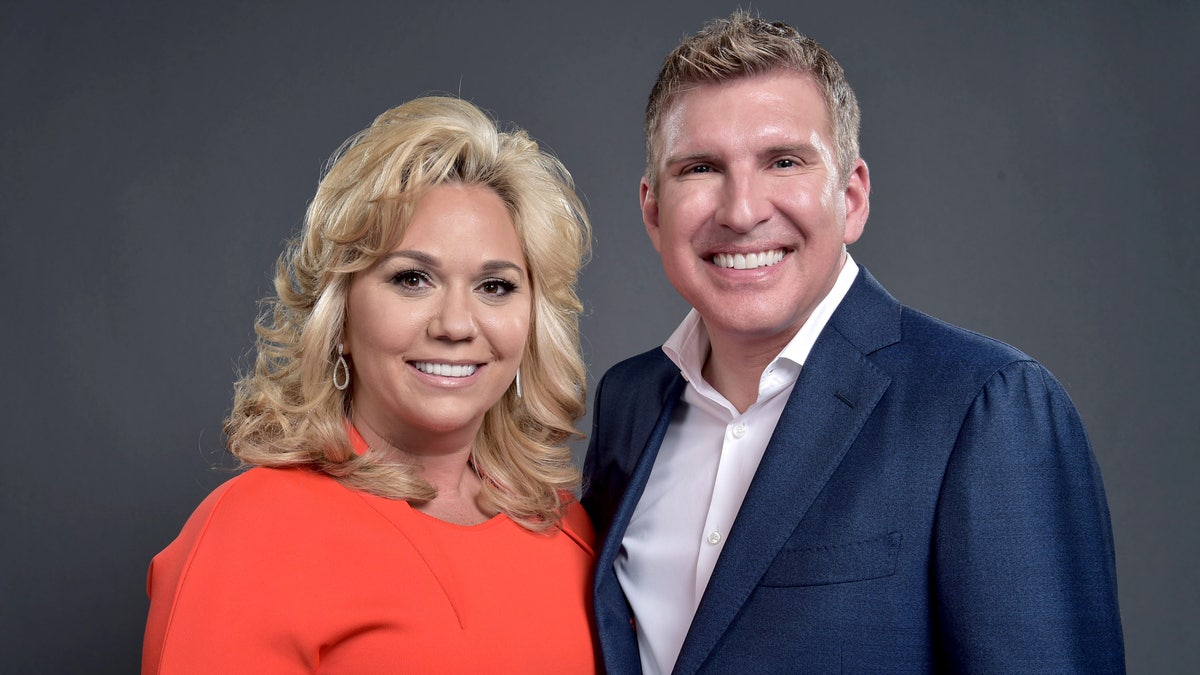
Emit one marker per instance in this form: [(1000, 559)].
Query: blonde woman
[(418, 373)]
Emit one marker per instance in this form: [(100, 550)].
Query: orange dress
[(287, 571)]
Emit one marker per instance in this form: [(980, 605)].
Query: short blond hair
[(287, 412), (743, 45)]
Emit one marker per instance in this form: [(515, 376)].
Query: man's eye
[(784, 163), (699, 168)]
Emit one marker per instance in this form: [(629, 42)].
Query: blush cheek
[(518, 335), (507, 334)]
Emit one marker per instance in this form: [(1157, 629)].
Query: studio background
[(1033, 179)]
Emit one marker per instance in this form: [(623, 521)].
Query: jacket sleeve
[(1024, 573)]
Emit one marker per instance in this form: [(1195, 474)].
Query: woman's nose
[(454, 319)]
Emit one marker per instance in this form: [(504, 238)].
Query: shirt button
[(714, 537), (739, 431)]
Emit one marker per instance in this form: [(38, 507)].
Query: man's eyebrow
[(690, 157), (803, 149), (792, 149)]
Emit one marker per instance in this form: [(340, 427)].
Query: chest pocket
[(835, 564)]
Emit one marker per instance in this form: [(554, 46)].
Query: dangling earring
[(518, 383), (341, 371)]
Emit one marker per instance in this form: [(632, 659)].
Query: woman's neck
[(442, 460)]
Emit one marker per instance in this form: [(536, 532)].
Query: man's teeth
[(445, 369), (747, 261)]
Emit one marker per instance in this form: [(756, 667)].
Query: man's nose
[(744, 204), (455, 318)]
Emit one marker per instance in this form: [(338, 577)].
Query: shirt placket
[(721, 508)]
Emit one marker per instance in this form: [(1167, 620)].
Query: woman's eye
[(410, 279), (497, 287)]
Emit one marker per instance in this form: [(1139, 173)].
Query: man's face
[(749, 214)]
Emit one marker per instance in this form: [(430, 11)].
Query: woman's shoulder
[(264, 500), (262, 541), (261, 515), (261, 484), (576, 525)]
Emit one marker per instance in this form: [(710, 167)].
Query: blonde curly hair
[(286, 412)]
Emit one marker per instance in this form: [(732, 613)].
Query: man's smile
[(748, 261)]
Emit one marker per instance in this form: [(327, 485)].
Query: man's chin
[(749, 323)]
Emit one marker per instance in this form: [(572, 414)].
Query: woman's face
[(436, 328)]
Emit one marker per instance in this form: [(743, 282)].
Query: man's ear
[(649, 204), (858, 201)]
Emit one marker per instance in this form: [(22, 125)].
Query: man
[(809, 477)]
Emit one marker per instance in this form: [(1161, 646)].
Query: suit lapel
[(641, 472), (618, 641), (836, 392)]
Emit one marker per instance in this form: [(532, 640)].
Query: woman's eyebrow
[(433, 262), (417, 256)]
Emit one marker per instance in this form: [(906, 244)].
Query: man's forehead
[(782, 108)]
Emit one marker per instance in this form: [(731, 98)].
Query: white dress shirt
[(707, 460)]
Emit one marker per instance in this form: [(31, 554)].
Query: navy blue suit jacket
[(928, 502)]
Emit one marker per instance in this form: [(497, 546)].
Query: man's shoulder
[(935, 340), (652, 359), (945, 361), (649, 366), (643, 382), (878, 324)]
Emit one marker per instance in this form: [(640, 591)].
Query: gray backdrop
[(1032, 166)]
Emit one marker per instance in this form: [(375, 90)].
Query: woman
[(416, 380)]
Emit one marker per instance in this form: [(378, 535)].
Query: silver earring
[(341, 371), (518, 383)]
